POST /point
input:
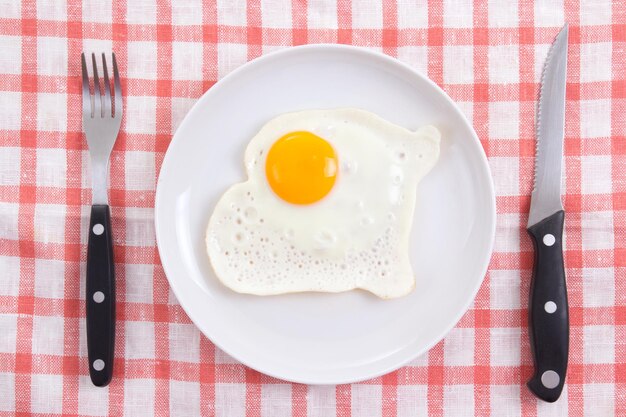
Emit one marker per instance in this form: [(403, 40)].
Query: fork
[(102, 116)]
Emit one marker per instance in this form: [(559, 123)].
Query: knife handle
[(100, 296), (548, 311)]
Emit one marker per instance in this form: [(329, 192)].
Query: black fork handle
[(100, 296)]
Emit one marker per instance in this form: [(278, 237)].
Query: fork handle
[(100, 296)]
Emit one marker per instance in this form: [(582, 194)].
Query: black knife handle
[(548, 312), (100, 296)]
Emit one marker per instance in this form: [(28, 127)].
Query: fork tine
[(87, 106), (107, 89), (118, 89), (96, 88)]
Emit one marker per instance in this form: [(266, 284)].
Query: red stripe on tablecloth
[(254, 35), (343, 400), (299, 14), (618, 167), (28, 199), (72, 361), (344, 21)]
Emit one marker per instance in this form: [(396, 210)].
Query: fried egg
[(327, 206)]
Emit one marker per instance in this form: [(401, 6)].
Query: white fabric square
[(140, 226), (467, 108), (223, 357), (51, 56), (48, 335), (504, 64), (52, 112), (9, 272), (46, 394), (505, 401), (49, 278), (11, 57), (412, 400), (276, 400), (595, 12), (141, 11), (415, 56), (458, 347), (504, 120), (50, 223), (51, 10), (597, 230), (139, 283), (599, 344), (596, 174), (230, 400), (186, 60), (541, 54), (321, 400), (458, 13), (230, 56), (367, 400), (184, 398), (187, 12), (367, 14), (595, 61), (82, 325), (139, 397), (139, 340), (140, 114), (180, 108), (599, 399), (413, 14), (97, 46), (321, 14), (505, 171), (504, 289), (8, 221), (184, 342), (556, 409), (11, 114), (595, 118), (505, 346), (8, 330), (142, 60), (507, 233), (97, 11), (276, 13), (51, 167), (458, 400), (458, 64), (92, 400), (232, 13), (11, 9), (7, 391), (598, 287), (549, 13), (503, 13), (139, 170)]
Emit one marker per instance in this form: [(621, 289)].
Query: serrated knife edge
[(546, 194)]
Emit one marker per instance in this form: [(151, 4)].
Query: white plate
[(311, 337)]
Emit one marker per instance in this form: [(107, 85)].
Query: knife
[(548, 311)]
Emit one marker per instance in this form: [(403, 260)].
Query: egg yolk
[(301, 167)]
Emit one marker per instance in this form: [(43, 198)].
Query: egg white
[(355, 237)]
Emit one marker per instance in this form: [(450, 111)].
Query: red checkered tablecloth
[(487, 55)]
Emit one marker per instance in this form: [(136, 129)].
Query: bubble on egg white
[(252, 263)]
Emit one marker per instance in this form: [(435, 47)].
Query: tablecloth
[(487, 55)]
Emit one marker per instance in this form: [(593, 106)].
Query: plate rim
[(484, 164)]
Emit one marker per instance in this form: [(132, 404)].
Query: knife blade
[(548, 311)]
